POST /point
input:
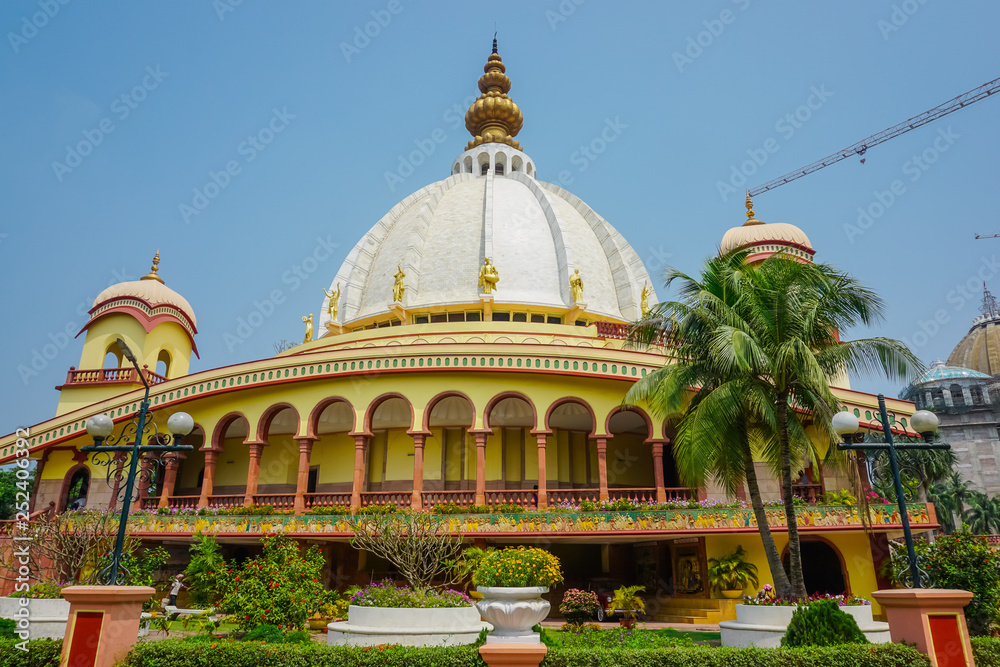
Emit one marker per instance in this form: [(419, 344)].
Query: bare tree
[(66, 548), (419, 544), (282, 345)]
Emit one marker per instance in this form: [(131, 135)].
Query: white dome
[(535, 233), (153, 292)]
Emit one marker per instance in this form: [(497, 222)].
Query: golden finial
[(751, 219), (493, 117), (154, 270)]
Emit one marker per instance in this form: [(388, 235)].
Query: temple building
[(965, 394), (470, 350)]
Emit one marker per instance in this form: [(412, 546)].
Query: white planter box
[(47, 618), (444, 626), (765, 625)]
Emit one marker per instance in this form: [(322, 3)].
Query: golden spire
[(493, 117), (751, 220), (153, 270)]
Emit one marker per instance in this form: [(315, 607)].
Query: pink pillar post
[(302, 483), (360, 443), (661, 492), (480, 468), (543, 496), (253, 473), (931, 618), (602, 466), (170, 478), (417, 499), (103, 623), (208, 479)]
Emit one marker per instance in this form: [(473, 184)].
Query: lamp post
[(115, 451), (923, 422)]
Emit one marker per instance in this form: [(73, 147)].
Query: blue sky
[(168, 93)]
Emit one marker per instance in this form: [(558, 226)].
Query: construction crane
[(861, 147), (987, 236)]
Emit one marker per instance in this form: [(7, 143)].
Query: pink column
[(253, 472), (480, 467), (302, 485), (417, 499), (661, 492), (360, 443), (208, 478), (103, 623), (543, 499), (170, 478), (602, 465)]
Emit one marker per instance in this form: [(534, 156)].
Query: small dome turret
[(761, 239)]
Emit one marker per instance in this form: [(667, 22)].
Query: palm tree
[(982, 514), (956, 492), (759, 342)]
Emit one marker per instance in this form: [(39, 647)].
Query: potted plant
[(730, 575), (579, 606), (512, 582), (627, 601)]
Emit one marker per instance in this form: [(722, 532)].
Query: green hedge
[(40, 653), (174, 653), (986, 651)]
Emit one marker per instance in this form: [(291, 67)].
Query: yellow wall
[(852, 545), (279, 462), (58, 465), (399, 465), (334, 454), (232, 464)]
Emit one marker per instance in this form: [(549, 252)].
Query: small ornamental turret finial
[(154, 269), (494, 42), (990, 309), (751, 216)]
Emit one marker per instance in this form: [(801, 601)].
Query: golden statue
[(397, 287), (644, 298), (334, 297), (488, 277), (309, 328), (576, 286)]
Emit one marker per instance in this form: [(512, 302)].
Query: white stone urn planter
[(513, 611), (47, 617), (765, 625), (437, 626)]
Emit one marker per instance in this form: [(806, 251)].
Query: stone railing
[(328, 499), (460, 498)]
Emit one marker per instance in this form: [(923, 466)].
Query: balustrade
[(183, 502), (232, 500), (111, 376), (460, 498), (401, 499), (279, 501), (335, 499), (811, 493), (525, 498), (574, 496)]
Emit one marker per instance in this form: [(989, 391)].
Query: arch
[(977, 394), (516, 163), (957, 397), (621, 409), (456, 168), (569, 420), (500, 163), (113, 355), (531, 169), (236, 421), (483, 160), (313, 425), (468, 164), (818, 557), (378, 402), (500, 398), (163, 358), (267, 419), (450, 401), (75, 486)]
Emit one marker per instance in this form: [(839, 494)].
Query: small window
[(456, 317), (439, 317), (394, 323), (485, 168), (474, 316), (498, 170), (421, 319), (501, 317), (520, 317), (538, 317), (581, 323), (553, 319)]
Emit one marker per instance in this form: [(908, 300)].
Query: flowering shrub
[(767, 598), (518, 566), (579, 606), (43, 590), (280, 587), (387, 594)]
